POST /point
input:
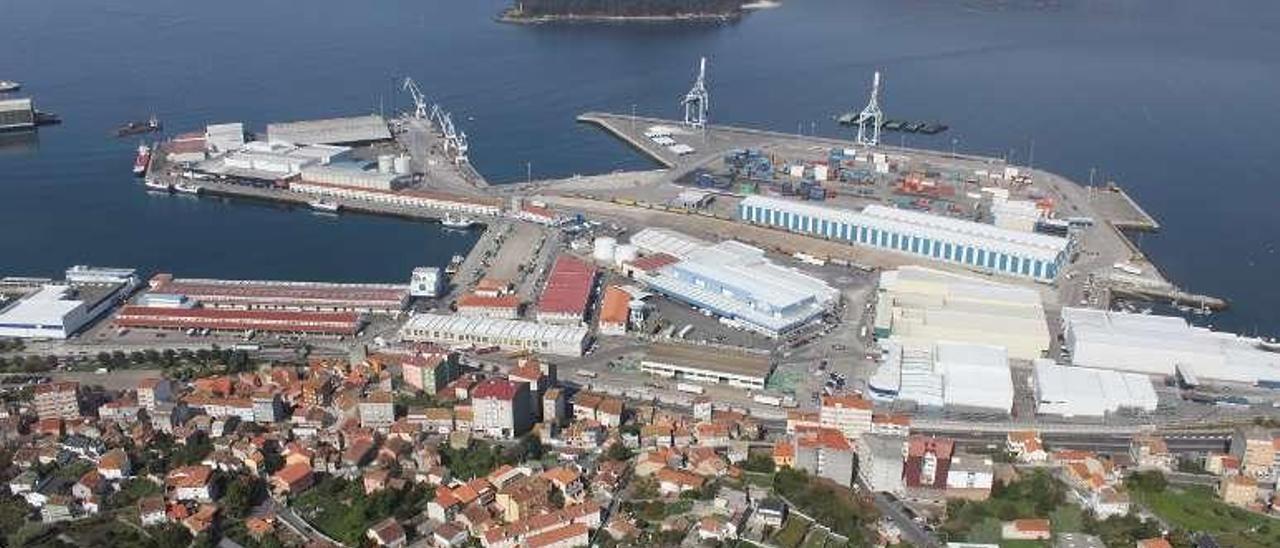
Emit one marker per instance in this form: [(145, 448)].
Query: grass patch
[(792, 533), (832, 505), (1197, 509), (817, 538), (1023, 544)]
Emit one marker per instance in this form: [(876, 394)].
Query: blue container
[(817, 193)]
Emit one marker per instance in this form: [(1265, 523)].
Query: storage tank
[(386, 163), (604, 249), (625, 253), (401, 164)]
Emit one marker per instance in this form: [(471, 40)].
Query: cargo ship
[(142, 160), (325, 206), (135, 128), (7, 86)]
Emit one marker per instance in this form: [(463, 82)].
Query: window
[(982, 257)]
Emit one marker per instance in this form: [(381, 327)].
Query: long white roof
[(495, 327), (1158, 345), (1086, 392), (934, 227), (48, 306)]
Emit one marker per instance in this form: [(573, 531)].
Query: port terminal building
[(734, 281), (60, 310), (1151, 344), (564, 340), (969, 244), (351, 130), (363, 298), (711, 365), (919, 306)]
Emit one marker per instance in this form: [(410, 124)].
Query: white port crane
[(697, 102), (419, 99), (871, 115)]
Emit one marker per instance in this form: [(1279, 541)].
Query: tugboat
[(451, 221), (143, 159), (187, 188), (134, 128), (7, 86), (325, 206)]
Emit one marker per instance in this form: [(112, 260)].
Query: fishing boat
[(142, 160), (325, 206), (154, 184), (187, 188), (7, 86), (452, 221)]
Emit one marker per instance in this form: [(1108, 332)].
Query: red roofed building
[(615, 308), (501, 408), (928, 460), (286, 296), (473, 305), (317, 323), (574, 534), (825, 452), (1026, 529), (567, 292), (292, 479), (387, 532), (648, 264)]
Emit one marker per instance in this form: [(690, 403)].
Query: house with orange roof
[(891, 424), (202, 519), (114, 464), (825, 452), (1026, 529), (784, 454), (848, 413), (1158, 542), (388, 533), (674, 482), (293, 478), (569, 536), (524, 497), (1026, 446), (615, 309), (445, 506), (568, 482), (193, 482)]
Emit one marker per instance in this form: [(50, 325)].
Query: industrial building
[(734, 281), (215, 319), (271, 161), (483, 306), (16, 114), (567, 292), (354, 175), (426, 281), (615, 309), (1084, 392), (221, 138), (507, 334), (920, 306), (289, 296), (58, 311), (331, 131), (404, 198), (710, 365), (1164, 345), (944, 239), (954, 376)]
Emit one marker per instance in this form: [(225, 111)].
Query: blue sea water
[(1173, 99)]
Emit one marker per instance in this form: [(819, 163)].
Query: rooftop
[(353, 129), (717, 359)]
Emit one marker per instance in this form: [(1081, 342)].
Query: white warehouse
[(562, 340), (735, 281), (944, 239), (1161, 345), (920, 306), (1084, 392), (956, 376)]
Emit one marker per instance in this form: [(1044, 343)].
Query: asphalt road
[(912, 532)]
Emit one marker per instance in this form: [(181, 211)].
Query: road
[(912, 532)]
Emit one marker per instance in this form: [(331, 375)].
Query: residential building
[(387, 533), (429, 372), (849, 414), (377, 410), (825, 453), (193, 482), (1026, 529), (1150, 451), (1238, 490), (114, 465), (928, 460), (501, 408), (880, 462), (1255, 447), (154, 390), (1026, 446), (60, 399), (970, 476)]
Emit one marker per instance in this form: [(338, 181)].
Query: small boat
[(933, 128), (134, 128), (451, 221), (187, 188), (142, 160), (7, 86), (325, 206), (153, 184)]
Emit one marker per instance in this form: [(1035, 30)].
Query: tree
[(618, 452), (1146, 482), (242, 494), (759, 462)]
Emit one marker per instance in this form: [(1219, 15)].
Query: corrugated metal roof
[(568, 287), (352, 129)]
